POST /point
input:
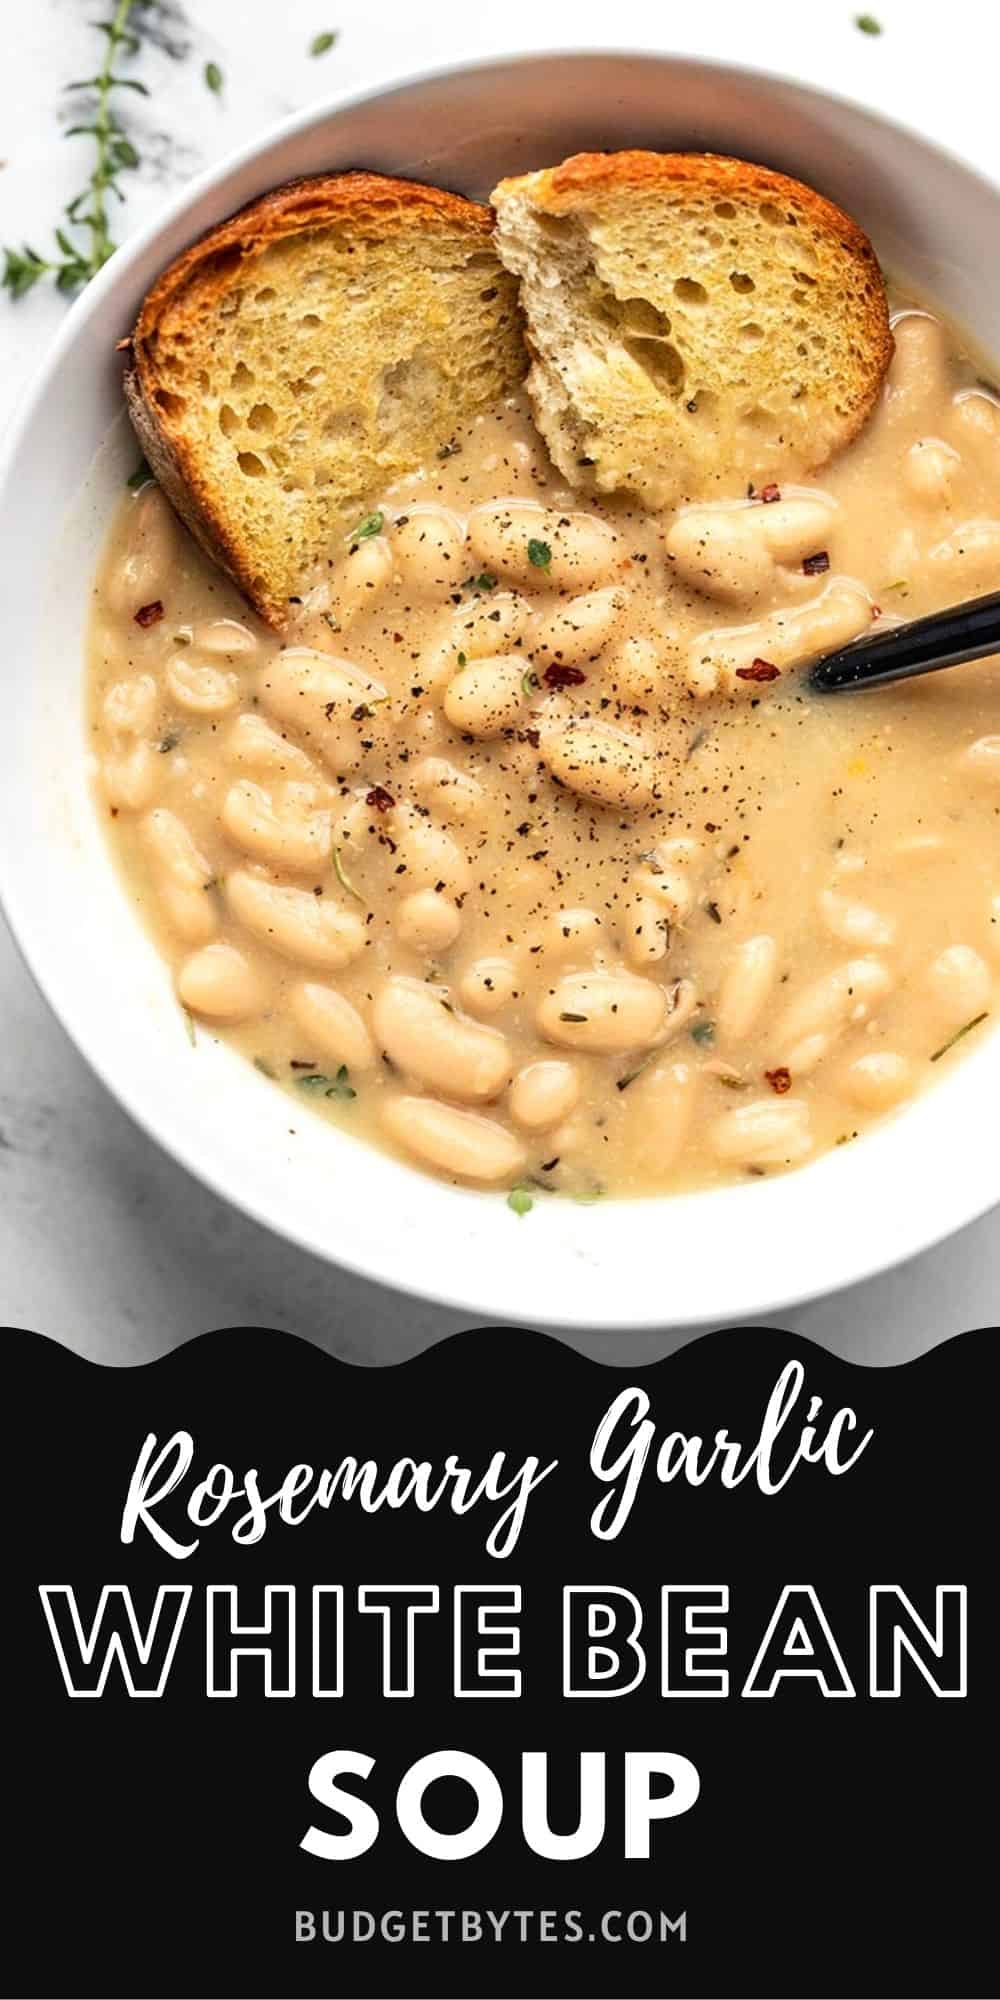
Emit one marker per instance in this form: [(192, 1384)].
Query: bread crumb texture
[(695, 322), (309, 351)]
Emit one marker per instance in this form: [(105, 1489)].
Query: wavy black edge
[(441, 1353)]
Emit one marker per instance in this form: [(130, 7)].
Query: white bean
[(573, 933), (143, 573), (487, 696), (431, 855), (326, 700), (427, 1040), (183, 877), (854, 923), (731, 551), (332, 1026), (982, 759), (929, 469), (917, 375), (272, 830), (601, 763), (838, 999), (579, 629), (959, 984), (129, 707), (130, 780), (220, 983), (657, 1113), (428, 546), (490, 624), (729, 661), (294, 922), (977, 419), (199, 689), (450, 791), (542, 1093), (253, 743), (878, 1080), (583, 551), (427, 922), (488, 985), (224, 638), (636, 670), (746, 987), (767, 1132), (607, 1013), (968, 558), (460, 1143), (361, 579)]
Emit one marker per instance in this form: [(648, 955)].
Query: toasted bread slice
[(695, 322), (306, 353)]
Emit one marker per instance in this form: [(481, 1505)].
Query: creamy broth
[(530, 854)]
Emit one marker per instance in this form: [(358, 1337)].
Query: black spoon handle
[(945, 639)]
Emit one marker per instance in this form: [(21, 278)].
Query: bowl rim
[(957, 1210)]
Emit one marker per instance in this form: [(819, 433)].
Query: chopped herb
[(369, 525), (213, 77), (868, 24), (448, 450), (588, 1195), (322, 44), (484, 581), (140, 477), (959, 1035), (261, 1063), (328, 1086), (149, 614), (901, 583), (461, 659), (189, 1026), (167, 744), (539, 554), (343, 877), (624, 1081), (520, 1201), (529, 681), (703, 1032), (572, 1017)]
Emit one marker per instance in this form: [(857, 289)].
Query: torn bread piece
[(309, 351), (695, 322)]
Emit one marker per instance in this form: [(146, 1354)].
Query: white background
[(104, 1243)]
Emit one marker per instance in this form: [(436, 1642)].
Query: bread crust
[(583, 181), (375, 203)]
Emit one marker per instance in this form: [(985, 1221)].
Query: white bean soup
[(528, 853)]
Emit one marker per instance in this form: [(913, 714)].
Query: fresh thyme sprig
[(86, 243)]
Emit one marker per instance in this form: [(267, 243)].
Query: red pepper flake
[(563, 677), (761, 670), (769, 494), (779, 1080), (149, 614), (378, 797), (876, 611), (817, 564)]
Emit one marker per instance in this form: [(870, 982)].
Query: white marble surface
[(104, 1243)]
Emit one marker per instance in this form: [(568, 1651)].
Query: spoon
[(946, 638)]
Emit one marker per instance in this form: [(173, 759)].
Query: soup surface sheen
[(530, 854)]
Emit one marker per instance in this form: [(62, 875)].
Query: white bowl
[(737, 1253)]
